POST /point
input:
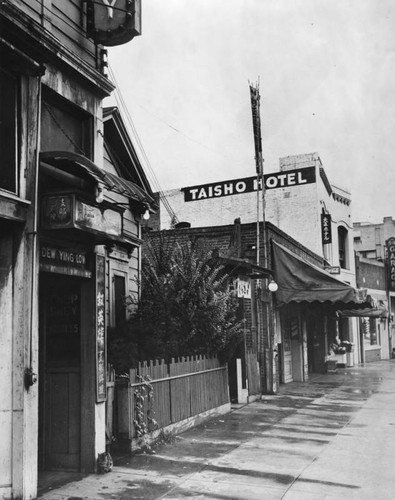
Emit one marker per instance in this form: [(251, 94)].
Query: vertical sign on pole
[(101, 389)]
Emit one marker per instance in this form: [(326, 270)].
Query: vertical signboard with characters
[(391, 264), (326, 228), (101, 389)]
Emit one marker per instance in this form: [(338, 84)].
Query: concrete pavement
[(330, 438)]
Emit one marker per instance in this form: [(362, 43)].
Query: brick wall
[(240, 240)]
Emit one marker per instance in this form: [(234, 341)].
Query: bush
[(186, 307)]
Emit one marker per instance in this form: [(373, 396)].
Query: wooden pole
[(268, 312)]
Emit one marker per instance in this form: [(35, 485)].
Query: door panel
[(316, 344), (60, 324), (63, 417)]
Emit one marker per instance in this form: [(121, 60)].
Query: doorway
[(316, 342), (60, 373)]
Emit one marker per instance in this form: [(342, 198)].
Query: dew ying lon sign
[(286, 179), (64, 261)]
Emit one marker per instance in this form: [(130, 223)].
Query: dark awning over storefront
[(378, 309), (301, 281), (76, 164)]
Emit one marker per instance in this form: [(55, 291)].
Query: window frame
[(58, 103), (342, 243), (117, 271), (13, 189)]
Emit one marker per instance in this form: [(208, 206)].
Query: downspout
[(30, 376)]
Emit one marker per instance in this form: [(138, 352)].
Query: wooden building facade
[(72, 193)]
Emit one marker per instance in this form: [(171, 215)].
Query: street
[(330, 438)]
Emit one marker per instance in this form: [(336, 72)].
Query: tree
[(186, 305)]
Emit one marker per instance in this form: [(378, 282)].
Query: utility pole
[(266, 353), (256, 123)]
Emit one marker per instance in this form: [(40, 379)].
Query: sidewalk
[(330, 438)]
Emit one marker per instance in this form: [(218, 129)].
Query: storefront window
[(8, 132)]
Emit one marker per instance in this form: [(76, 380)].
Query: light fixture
[(146, 215), (99, 194), (273, 287)]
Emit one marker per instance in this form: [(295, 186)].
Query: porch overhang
[(245, 267), (79, 165)]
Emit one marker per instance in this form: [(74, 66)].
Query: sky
[(326, 71)]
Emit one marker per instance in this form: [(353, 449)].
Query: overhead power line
[(154, 180)]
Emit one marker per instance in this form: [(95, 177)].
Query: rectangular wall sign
[(104, 221), (286, 179), (63, 256), (62, 260), (332, 269), (243, 288), (67, 211)]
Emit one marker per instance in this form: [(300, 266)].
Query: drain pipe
[(30, 377)]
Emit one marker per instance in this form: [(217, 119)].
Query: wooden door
[(316, 336), (60, 326)]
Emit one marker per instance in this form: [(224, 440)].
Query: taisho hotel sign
[(286, 179)]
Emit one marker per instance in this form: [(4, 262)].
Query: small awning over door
[(76, 164), (301, 281)]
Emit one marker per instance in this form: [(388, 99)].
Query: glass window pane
[(119, 299), (8, 144)]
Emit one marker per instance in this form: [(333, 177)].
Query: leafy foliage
[(186, 306)]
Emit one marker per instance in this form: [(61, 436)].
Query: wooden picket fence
[(173, 393)]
